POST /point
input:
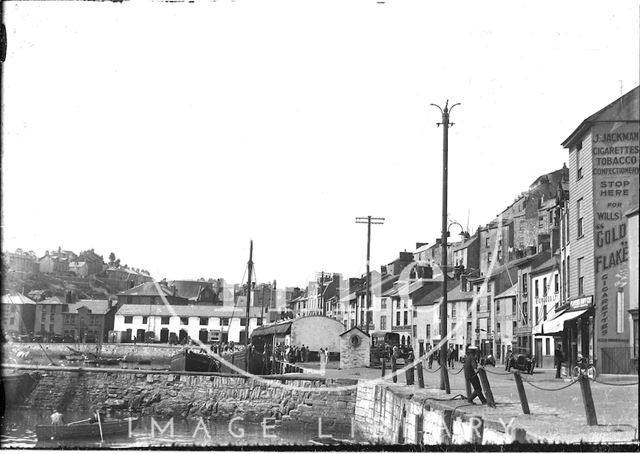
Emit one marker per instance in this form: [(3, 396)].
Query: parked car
[(523, 362), (486, 360), (56, 338)]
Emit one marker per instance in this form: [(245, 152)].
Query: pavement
[(557, 415)]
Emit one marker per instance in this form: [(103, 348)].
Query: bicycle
[(584, 367)]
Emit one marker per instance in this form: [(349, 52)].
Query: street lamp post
[(444, 375)]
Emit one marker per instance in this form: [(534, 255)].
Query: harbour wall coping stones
[(298, 401)]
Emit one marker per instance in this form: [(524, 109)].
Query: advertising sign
[(615, 149)]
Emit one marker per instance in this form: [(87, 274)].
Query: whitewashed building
[(206, 323)]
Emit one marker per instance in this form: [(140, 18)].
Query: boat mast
[(246, 337)]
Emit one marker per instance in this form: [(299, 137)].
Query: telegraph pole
[(321, 295), (368, 220), (444, 375), (246, 337)]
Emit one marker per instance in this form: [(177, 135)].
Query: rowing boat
[(86, 430)]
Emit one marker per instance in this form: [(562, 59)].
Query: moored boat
[(191, 361), (86, 430)]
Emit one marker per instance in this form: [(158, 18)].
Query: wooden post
[(393, 371), (420, 375), (384, 366), (587, 398), (467, 385), (523, 396), (486, 387), (408, 375)]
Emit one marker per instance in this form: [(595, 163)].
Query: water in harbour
[(18, 431)]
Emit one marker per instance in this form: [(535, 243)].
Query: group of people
[(451, 356)]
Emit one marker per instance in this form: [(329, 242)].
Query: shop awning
[(556, 325)]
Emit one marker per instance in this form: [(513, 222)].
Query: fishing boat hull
[(86, 430), (190, 361)]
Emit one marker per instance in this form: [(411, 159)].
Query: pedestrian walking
[(509, 360), (470, 375), (450, 357), (431, 353), (559, 357)]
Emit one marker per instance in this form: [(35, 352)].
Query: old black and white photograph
[(320, 225)]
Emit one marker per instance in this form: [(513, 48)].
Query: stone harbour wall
[(152, 352), (295, 401), (384, 415)]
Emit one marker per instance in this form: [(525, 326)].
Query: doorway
[(164, 335)]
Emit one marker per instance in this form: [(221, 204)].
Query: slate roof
[(435, 295), (191, 289), (607, 113), (147, 289), (16, 298), (52, 300), (548, 264), (186, 311), (95, 306), (458, 295), (510, 292)]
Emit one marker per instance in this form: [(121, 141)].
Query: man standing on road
[(558, 360), (470, 366)]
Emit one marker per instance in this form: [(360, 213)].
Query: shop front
[(573, 330)]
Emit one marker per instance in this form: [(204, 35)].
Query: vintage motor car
[(523, 362)]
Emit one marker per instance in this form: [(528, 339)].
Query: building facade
[(603, 183)]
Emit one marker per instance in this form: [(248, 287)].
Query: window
[(128, 319), (499, 255), (164, 320), (578, 163), (383, 303), (536, 291), (537, 318), (579, 214), (415, 313), (406, 318), (204, 321), (486, 242), (428, 331), (547, 343), (259, 321), (544, 287), (524, 284), (498, 328), (383, 322), (398, 318), (556, 283), (515, 327), (580, 278), (568, 277), (415, 331), (184, 320), (145, 319), (497, 306), (453, 311), (544, 312), (513, 306), (224, 321), (489, 257), (243, 321)]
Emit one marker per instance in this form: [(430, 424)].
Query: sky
[(174, 133)]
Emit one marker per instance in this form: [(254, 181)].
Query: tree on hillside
[(112, 259), (117, 263)]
